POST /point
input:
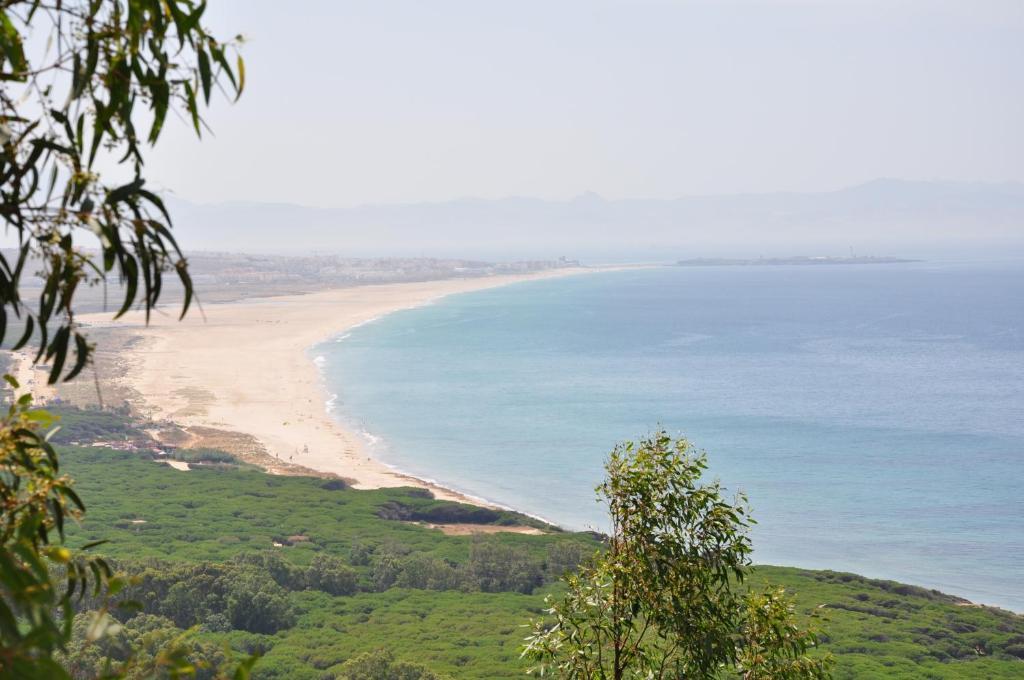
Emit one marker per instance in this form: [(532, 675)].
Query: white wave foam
[(372, 319), (347, 333), (372, 439)]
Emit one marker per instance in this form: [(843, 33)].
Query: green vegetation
[(87, 426), (454, 605), (150, 511), (884, 629), (665, 599), (202, 455), (381, 665), (35, 613)]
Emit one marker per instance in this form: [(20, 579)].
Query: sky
[(389, 101)]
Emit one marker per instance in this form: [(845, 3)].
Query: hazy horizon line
[(596, 196)]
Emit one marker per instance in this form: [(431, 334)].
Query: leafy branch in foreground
[(98, 91), (664, 599), (36, 610), (84, 85)]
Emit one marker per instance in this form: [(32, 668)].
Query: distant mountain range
[(881, 217)]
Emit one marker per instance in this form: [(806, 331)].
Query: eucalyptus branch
[(664, 593), (119, 64)]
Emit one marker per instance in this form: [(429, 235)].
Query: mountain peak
[(588, 197)]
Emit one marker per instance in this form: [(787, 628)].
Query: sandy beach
[(246, 368), (30, 376)]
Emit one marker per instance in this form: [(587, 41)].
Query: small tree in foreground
[(665, 598)]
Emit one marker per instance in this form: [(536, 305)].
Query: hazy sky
[(394, 101)]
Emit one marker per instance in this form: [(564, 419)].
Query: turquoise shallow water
[(873, 414)]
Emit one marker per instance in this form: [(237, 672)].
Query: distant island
[(799, 259)]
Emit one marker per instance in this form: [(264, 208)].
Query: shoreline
[(247, 367), (355, 306)]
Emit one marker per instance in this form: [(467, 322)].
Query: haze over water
[(873, 414)]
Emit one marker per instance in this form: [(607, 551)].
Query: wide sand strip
[(246, 368)]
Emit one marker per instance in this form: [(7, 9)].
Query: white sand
[(247, 369), (31, 378)]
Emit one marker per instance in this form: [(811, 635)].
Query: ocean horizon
[(873, 414)]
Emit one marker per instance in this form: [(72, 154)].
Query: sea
[(873, 414)]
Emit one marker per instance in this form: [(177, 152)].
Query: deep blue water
[(874, 415)]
